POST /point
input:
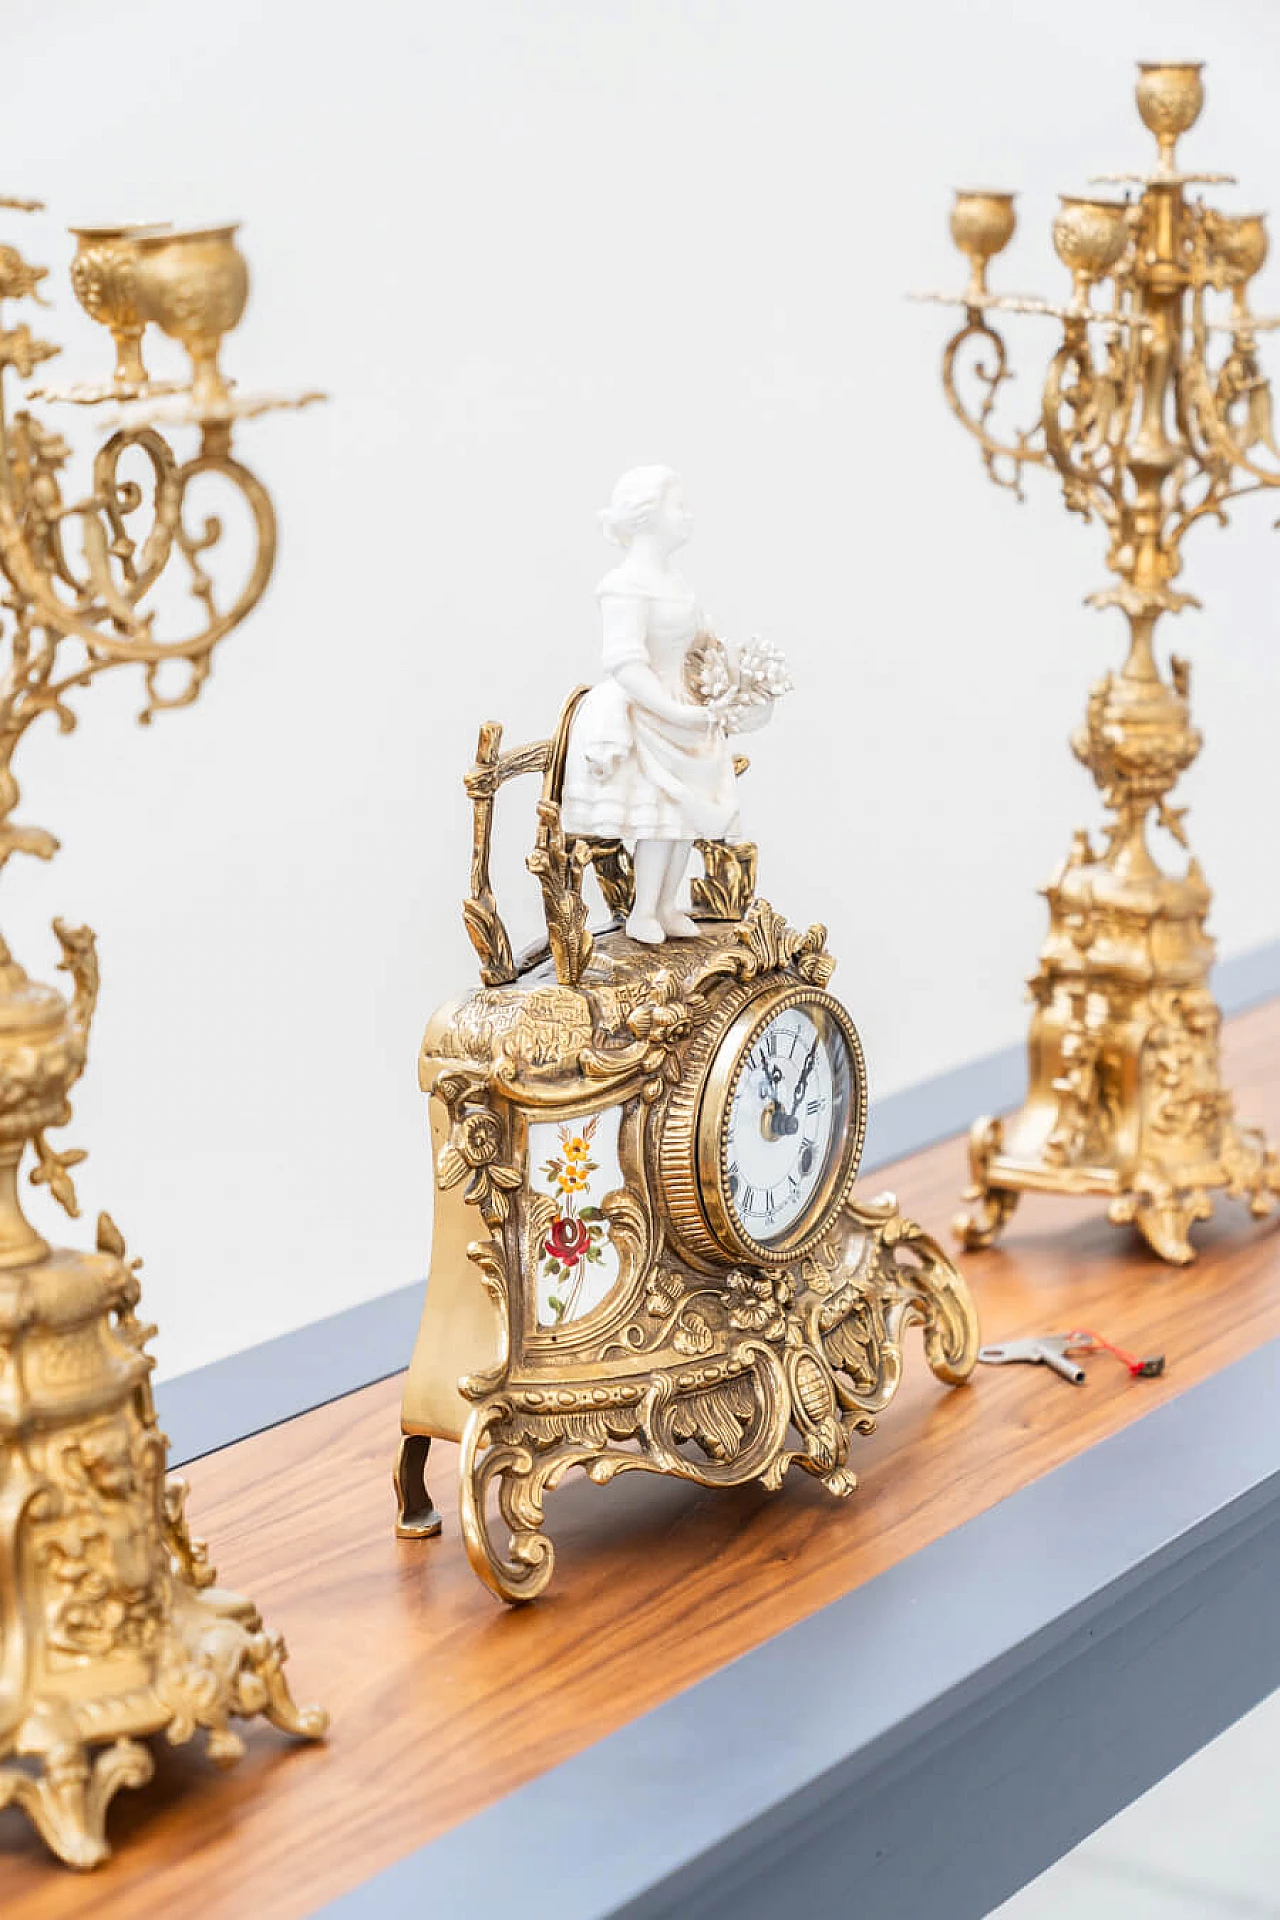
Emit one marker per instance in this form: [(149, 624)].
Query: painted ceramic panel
[(576, 1163)]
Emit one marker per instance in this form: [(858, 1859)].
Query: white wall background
[(526, 246)]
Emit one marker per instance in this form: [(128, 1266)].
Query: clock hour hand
[(767, 1085)]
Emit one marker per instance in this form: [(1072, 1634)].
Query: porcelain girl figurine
[(649, 761)]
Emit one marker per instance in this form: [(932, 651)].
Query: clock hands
[(781, 1122), (770, 1077)]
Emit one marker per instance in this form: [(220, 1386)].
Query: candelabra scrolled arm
[(101, 603), (114, 498), (193, 542), (81, 570), (1214, 480), (1209, 407), (1081, 408), (964, 361)]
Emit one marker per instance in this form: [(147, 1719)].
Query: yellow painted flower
[(576, 1148), (572, 1180)]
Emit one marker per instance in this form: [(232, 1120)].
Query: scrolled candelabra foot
[(66, 1802), (1265, 1196), (990, 1206), (1164, 1216), (1263, 1186), (264, 1688), (416, 1516), (1248, 1168)]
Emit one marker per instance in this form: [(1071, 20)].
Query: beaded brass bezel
[(718, 1230)]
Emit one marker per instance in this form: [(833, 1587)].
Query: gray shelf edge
[(924, 1745), (214, 1406)]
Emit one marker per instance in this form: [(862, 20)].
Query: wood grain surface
[(443, 1700)]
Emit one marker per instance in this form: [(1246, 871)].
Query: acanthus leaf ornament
[(725, 890)]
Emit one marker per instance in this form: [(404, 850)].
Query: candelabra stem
[(130, 369), (1141, 662), (1126, 1096), (20, 1244)]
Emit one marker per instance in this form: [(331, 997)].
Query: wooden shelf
[(443, 1701)]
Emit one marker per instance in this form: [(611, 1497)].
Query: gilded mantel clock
[(647, 1254)]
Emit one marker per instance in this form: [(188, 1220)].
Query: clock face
[(761, 1138), (787, 1131)]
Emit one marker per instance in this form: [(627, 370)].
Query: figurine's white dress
[(665, 785)]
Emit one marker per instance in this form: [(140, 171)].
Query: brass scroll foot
[(67, 1801), (949, 1317), (416, 1516), (489, 1457), (991, 1206)]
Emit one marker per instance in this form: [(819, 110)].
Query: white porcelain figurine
[(649, 761)]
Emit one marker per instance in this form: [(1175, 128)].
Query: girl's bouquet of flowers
[(739, 686)]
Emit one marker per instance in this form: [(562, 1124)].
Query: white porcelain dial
[(788, 1123)]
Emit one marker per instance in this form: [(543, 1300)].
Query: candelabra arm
[(962, 359), (1208, 409), (1079, 410), (105, 614)]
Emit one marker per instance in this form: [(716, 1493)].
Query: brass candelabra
[(110, 1625), (1155, 414)]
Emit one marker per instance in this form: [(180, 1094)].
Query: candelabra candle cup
[(194, 285), (104, 278), (1170, 94), (1089, 236), (1240, 245), (982, 225)]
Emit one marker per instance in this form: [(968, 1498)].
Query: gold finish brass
[(104, 278), (111, 1628), (1155, 414), (982, 225), (695, 1356), (194, 286)]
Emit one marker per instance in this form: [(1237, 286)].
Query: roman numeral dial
[(793, 1122), (759, 1140)]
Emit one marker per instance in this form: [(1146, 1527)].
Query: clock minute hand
[(785, 1123), (803, 1081)]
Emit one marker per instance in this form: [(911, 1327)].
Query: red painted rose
[(567, 1241)]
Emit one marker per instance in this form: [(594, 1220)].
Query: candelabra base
[(111, 1628), (1163, 1212), (1126, 1096)]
